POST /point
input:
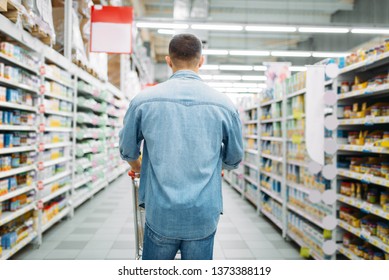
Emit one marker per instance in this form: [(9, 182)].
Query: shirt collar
[(185, 74)]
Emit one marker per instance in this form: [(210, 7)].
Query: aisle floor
[(103, 228)]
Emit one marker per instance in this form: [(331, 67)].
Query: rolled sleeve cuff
[(230, 166), (128, 158)]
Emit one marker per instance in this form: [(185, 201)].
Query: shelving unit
[(49, 137)]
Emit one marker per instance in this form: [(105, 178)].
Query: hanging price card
[(42, 127), (40, 185), (41, 108), (42, 89), (42, 70), (41, 147), (94, 150), (40, 204), (40, 166), (305, 252)]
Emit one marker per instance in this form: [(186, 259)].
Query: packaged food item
[(345, 87)]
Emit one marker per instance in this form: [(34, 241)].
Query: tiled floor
[(103, 229)]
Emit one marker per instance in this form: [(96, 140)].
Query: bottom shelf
[(301, 243), (346, 252), (272, 218), (56, 219), (251, 199), (8, 253)]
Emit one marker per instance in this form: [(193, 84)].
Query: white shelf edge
[(274, 158), (365, 121), (58, 129), (56, 161), (56, 96), (17, 85), (364, 63), (269, 138), (252, 136), (271, 175), (251, 180), (363, 177), (252, 151), (58, 81), (252, 166), (299, 187), (267, 103), (363, 205), (17, 127), (55, 194), (364, 92), (56, 177), (18, 63), (9, 253), (250, 122), (272, 194), (296, 93), (59, 113), (272, 218), (302, 213), (57, 145), (82, 182), (4, 151), (13, 215), (300, 242), (296, 162), (64, 212), (17, 106), (250, 199), (346, 252), (251, 108), (363, 149), (15, 171), (271, 120), (16, 192)]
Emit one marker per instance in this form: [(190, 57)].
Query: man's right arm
[(232, 148)]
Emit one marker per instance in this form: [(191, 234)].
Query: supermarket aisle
[(103, 229)]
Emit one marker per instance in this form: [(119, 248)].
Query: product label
[(42, 70), (42, 89)]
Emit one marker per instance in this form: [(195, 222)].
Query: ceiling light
[(167, 31), (264, 28), (254, 78), (369, 31), (158, 25), (260, 68), (214, 52), (209, 67), (218, 85), (297, 68), (206, 77), (227, 77), (245, 85), (217, 27), (250, 53), (329, 54), (236, 67), (323, 30), (291, 53)]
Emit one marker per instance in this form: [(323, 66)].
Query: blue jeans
[(157, 247)]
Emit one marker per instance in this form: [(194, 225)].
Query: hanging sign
[(111, 29)]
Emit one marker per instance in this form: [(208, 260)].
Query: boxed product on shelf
[(363, 249), (58, 89), (374, 165), (56, 137), (271, 148), (55, 154), (53, 170), (17, 202), (17, 139), (58, 121), (17, 117), (54, 71), (296, 82), (57, 105), (271, 129), (19, 54), (16, 160), (17, 230), (271, 206), (53, 208), (13, 183), (271, 166)]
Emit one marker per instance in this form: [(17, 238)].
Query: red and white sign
[(111, 29)]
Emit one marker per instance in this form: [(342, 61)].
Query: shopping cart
[(139, 216)]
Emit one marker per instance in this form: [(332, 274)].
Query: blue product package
[(8, 139), (12, 184)]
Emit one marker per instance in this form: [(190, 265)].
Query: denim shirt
[(190, 133)]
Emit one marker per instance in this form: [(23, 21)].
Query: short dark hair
[(185, 48)]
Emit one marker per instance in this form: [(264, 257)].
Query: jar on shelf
[(345, 87), (372, 196), (375, 170), (347, 112), (385, 170), (375, 111)]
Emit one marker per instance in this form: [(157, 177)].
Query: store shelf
[(84, 166), (251, 180), (272, 218), (251, 151), (346, 252), (56, 161), (4, 174), (58, 81), (271, 175), (96, 187), (63, 213), (272, 194), (17, 192), (365, 121), (250, 136), (58, 129), (59, 113), (6, 217), (296, 117), (11, 105), (56, 177), (364, 235), (237, 188), (297, 162), (251, 199), (17, 85), (302, 213), (57, 145), (55, 194), (364, 206), (268, 138), (4, 151), (274, 158), (9, 253), (17, 127), (301, 243), (252, 166), (251, 108), (369, 63), (251, 122), (296, 93), (299, 187), (367, 178), (15, 62), (366, 93), (83, 182), (365, 149), (267, 103), (60, 97), (271, 120)]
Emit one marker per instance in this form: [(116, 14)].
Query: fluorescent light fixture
[(329, 54), (245, 85), (219, 85), (260, 68), (236, 67), (249, 53), (215, 52), (323, 30), (291, 53), (225, 27), (264, 28), (161, 25), (209, 67), (369, 31), (297, 68), (227, 77), (206, 77), (167, 31), (254, 78)]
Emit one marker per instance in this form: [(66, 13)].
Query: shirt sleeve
[(232, 148), (131, 135)]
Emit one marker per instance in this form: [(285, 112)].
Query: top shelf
[(367, 64)]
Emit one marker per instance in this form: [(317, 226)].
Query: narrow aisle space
[(103, 229)]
